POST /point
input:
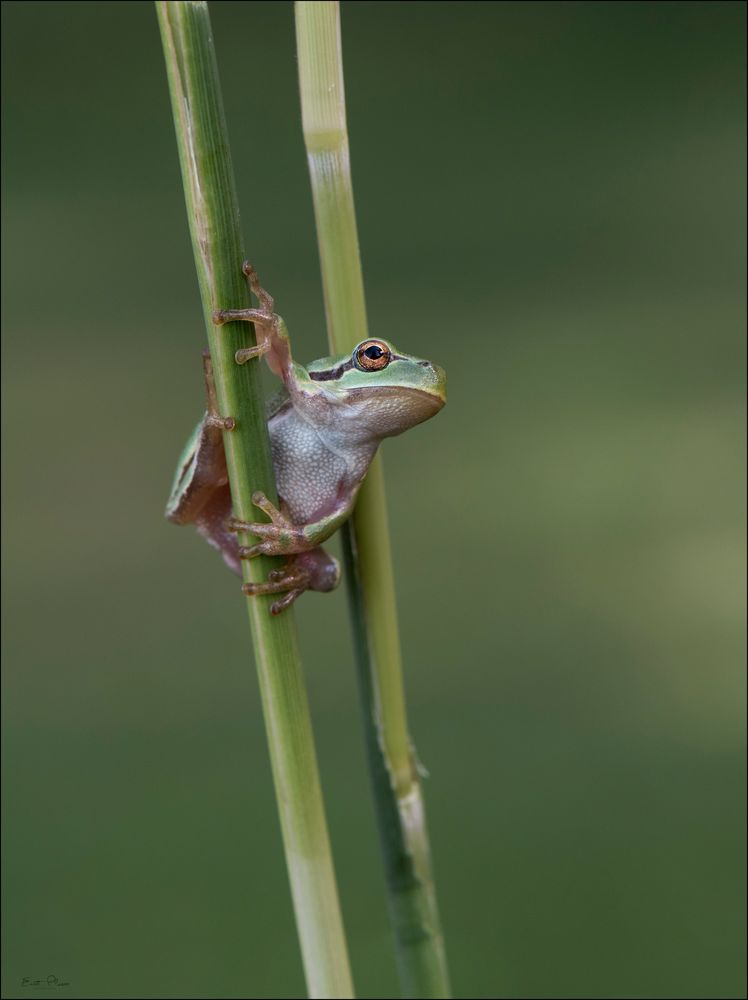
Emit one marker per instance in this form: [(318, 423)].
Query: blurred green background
[(551, 205)]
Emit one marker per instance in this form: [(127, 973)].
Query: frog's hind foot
[(289, 581), (314, 570)]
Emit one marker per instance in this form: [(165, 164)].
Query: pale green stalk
[(397, 791), (214, 224)]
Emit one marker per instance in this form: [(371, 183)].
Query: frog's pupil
[(373, 352)]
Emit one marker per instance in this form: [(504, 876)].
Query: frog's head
[(384, 391)]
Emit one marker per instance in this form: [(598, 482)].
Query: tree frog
[(325, 426)]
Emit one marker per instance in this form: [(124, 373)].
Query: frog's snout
[(439, 386)]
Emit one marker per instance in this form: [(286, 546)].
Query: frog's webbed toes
[(291, 581), (313, 570), (280, 580)]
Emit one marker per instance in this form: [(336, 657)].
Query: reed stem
[(213, 215), (393, 773)]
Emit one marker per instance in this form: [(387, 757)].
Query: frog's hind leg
[(201, 472), (313, 570)]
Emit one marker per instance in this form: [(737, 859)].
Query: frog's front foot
[(263, 315), (263, 321), (313, 570), (280, 537), (270, 330), (245, 354)]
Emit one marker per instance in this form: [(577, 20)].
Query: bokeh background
[(551, 205)]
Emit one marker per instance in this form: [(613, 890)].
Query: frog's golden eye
[(372, 356)]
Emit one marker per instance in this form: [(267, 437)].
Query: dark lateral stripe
[(329, 374)]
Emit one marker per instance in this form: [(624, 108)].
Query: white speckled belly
[(310, 474)]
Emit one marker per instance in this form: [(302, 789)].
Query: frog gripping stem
[(214, 419), (313, 570), (265, 299), (336, 412), (270, 329)]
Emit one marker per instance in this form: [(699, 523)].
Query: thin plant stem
[(394, 776), (214, 225)]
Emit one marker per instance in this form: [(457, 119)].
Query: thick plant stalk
[(214, 224), (397, 792)]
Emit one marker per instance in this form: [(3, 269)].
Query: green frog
[(325, 426)]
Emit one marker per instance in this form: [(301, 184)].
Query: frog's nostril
[(425, 364)]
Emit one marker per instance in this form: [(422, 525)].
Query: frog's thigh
[(313, 570), (323, 569), (201, 471)]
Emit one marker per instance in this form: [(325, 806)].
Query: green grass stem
[(395, 781), (216, 238)]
